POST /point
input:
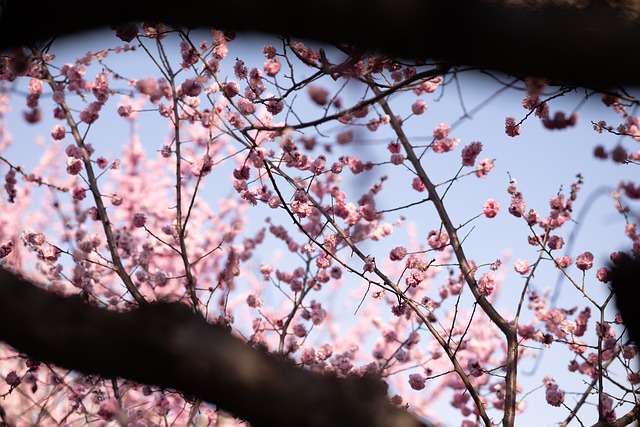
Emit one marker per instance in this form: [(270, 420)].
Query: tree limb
[(165, 344), (581, 42)]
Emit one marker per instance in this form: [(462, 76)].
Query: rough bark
[(166, 345), (582, 42)]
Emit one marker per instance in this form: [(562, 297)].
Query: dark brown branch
[(166, 345), (624, 282), (584, 43)]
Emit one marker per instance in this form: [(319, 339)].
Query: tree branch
[(585, 43), (165, 344)]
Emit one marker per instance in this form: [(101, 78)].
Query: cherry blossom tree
[(203, 281)]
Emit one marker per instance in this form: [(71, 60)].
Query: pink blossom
[(510, 127), (318, 94), (100, 88), (318, 314), (444, 145), (560, 121), (394, 147), (102, 162), (470, 152), (269, 51), (563, 261), (74, 166), (554, 396), (6, 248), (600, 153), (139, 219), (13, 379), (522, 266), (487, 283), (93, 213), (517, 206), (300, 331), (32, 116), (203, 166), (230, 89), (369, 264), (51, 253), (240, 69), (191, 87), (584, 261), (272, 67), (57, 132), (419, 107), (484, 167), (246, 107), (491, 208), (10, 185), (555, 242), (475, 367), (438, 239), (125, 110), (90, 114), (274, 106), (79, 193), (108, 409), (397, 158), (417, 185), (568, 326), (32, 237), (604, 275), (397, 253), (417, 381), (441, 131), (58, 96)]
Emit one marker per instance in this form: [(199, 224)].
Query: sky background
[(540, 160)]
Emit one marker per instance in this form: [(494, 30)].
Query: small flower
[(470, 153), (438, 239), (555, 242), (568, 326), (510, 127), (563, 261), (487, 284), (419, 107), (12, 379), (416, 381), (397, 253), (522, 266), (318, 95), (108, 409), (441, 131), (102, 162), (254, 301), (74, 166), (57, 132), (584, 261), (603, 275), (139, 219), (93, 213), (417, 185), (6, 248), (484, 167), (79, 193), (553, 395), (491, 208)]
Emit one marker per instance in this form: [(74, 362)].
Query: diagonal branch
[(166, 345)]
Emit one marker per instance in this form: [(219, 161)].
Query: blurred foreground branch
[(583, 43), (166, 345)]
